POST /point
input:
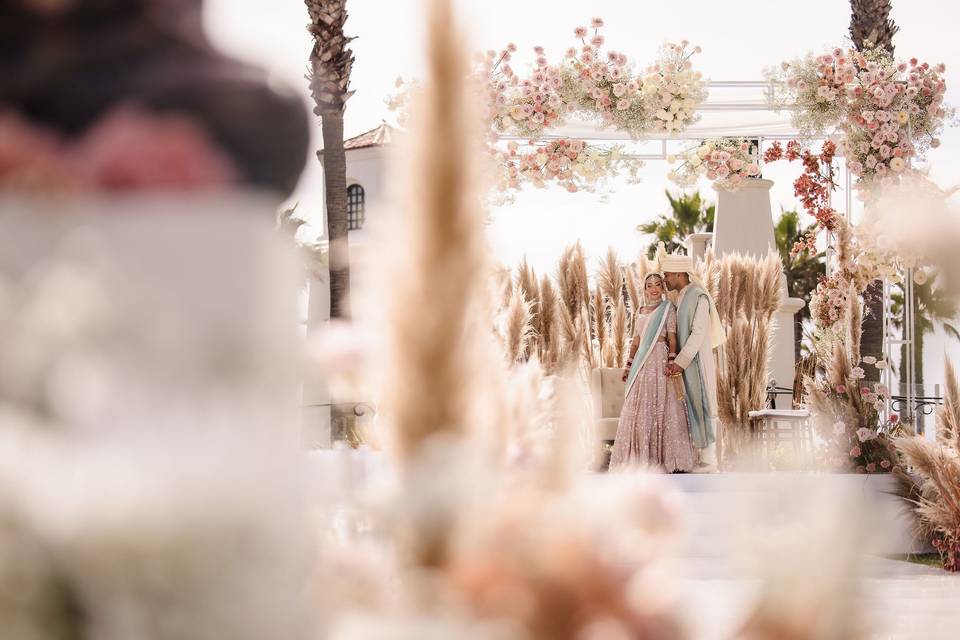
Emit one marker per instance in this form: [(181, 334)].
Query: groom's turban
[(676, 263)]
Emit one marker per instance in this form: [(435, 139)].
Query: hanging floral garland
[(571, 164), (590, 82)]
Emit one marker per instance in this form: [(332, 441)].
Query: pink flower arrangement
[(888, 112), (728, 162), (571, 164), (593, 82)]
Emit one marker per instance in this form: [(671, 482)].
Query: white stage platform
[(726, 510), (723, 510)]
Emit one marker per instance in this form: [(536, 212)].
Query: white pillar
[(744, 224), (697, 244), (315, 408)]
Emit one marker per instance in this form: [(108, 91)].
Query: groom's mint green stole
[(650, 334), (698, 403)]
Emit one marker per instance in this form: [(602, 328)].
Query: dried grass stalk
[(749, 296), (518, 329), (528, 285), (932, 488), (610, 278), (599, 315), (855, 327), (618, 334), (503, 287), (549, 337), (633, 291), (571, 335), (434, 320), (948, 417)]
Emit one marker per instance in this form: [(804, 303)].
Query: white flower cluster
[(674, 90), (727, 162)]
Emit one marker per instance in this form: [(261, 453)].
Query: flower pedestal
[(744, 224)]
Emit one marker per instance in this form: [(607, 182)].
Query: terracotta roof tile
[(380, 136)]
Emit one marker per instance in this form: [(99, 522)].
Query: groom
[(698, 332)]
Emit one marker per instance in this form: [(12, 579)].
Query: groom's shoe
[(706, 460)]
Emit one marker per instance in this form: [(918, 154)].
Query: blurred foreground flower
[(128, 149)]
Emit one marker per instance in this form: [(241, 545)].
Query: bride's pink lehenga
[(653, 422)]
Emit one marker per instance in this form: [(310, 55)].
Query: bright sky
[(739, 40)]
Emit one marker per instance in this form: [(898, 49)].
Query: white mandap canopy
[(734, 108)]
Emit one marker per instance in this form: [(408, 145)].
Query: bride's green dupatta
[(650, 335)]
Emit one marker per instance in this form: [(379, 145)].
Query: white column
[(744, 224), (315, 403), (697, 244)]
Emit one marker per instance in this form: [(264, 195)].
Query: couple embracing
[(670, 406)]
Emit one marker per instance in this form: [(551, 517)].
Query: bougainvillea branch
[(813, 188)]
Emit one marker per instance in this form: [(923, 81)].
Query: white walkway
[(902, 600)]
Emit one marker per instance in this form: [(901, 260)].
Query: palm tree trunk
[(335, 183), (871, 340)]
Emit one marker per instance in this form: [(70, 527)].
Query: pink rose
[(871, 468), (580, 32), (885, 464), (753, 169), (855, 452), (623, 105), (841, 388)]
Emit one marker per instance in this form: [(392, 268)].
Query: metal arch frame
[(909, 399)]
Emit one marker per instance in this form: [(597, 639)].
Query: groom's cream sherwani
[(700, 343)]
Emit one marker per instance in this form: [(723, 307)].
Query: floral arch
[(568, 123)]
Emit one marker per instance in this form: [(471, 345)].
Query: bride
[(653, 422)]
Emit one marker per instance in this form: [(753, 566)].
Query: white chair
[(772, 429), (608, 390)]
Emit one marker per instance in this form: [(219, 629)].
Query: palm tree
[(870, 23), (932, 306), (802, 270), (688, 214), (330, 65)]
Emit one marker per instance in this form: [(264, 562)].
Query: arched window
[(355, 207)]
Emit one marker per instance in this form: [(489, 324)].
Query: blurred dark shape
[(65, 63)]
